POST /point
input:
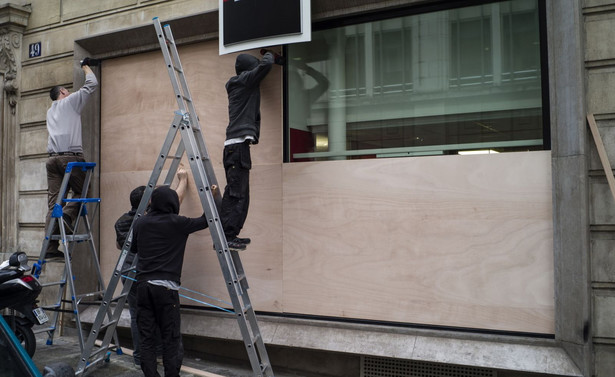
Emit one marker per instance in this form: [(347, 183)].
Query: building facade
[(380, 246)]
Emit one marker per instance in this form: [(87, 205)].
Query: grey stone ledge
[(518, 353)]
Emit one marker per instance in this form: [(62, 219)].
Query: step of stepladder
[(96, 294), (53, 307), (65, 234), (52, 283), (72, 237)]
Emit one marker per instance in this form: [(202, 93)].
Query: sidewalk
[(66, 349)]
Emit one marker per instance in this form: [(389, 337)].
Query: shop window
[(445, 82)]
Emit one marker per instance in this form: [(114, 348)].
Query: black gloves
[(277, 58), (90, 62)]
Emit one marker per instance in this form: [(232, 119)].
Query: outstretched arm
[(182, 176), (86, 69)]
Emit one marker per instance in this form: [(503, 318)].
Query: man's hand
[(182, 174), (182, 184), (86, 69)]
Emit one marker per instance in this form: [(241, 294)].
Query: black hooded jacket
[(244, 96), (159, 237)]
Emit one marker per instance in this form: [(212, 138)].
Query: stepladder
[(184, 127), (68, 237)]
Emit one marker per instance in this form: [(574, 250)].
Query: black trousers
[(236, 198), (158, 308)]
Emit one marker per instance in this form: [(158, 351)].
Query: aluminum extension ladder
[(70, 235), (187, 123)]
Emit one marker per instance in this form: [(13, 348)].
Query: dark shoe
[(244, 241), (234, 245), (54, 255)]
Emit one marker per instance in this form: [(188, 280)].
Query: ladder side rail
[(58, 203), (171, 56), (101, 282), (169, 63), (260, 342), (84, 192), (70, 281), (207, 199), (261, 359), (113, 318), (179, 73), (225, 256), (176, 160), (92, 246), (57, 308), (69, 277), (209, 169)]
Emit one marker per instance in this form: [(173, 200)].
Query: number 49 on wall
[(34, 50)]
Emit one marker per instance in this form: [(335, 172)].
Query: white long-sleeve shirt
[(64, 118)]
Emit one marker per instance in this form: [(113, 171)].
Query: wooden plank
[(604, 159), (137, 107), (453, 241)]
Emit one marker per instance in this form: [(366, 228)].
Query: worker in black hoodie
[(244, 100), (159, 240)]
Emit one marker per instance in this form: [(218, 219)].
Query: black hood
[(245, 62), (164, 200)]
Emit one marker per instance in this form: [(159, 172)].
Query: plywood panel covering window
[(462, 241)]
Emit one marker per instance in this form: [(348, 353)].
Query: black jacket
[(122, 227), (159, 237), (244, 96)]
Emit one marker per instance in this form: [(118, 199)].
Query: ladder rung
[(73, 238), (52, 283), (108, 324), (98, 351), (256, 338), (82, 200), (51, 307), (117, 298), (123, 272), (42, 330), (90, 294)]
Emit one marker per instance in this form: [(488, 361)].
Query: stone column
[(13, 21)]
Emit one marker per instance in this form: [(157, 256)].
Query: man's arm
[(182, 176), (256, 75), (86, 69), (79, 98)]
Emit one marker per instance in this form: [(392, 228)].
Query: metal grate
[(384, 367)]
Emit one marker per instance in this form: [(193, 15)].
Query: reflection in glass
[(436, 83)]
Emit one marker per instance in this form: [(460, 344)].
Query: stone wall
[(582, 74), (599, 20)]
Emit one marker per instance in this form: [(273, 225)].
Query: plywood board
[(454, 241), (137, 108)]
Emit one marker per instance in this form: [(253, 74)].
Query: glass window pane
[(435, 83)]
